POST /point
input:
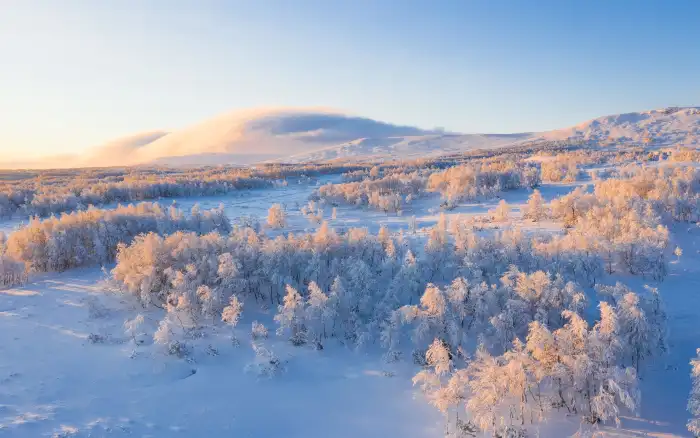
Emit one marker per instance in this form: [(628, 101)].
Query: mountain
[(409, 146), (663, 127), (666, 127), (298, 135), (262, 135)]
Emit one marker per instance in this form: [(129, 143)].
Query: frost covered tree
[(132, 328), (12, 272), (535, 209), (439, 261), (412, 224), (266, 364), (406, 285), (635, 329), (171, 335), (641, 319), (209, 300), (276, 217), (258, 331), (694, 400), (430, 319), (444, 387), (502, 212), (487, 400), (571, 207), (94, 236), (319, 315), (291, 317), (573, 368), (232, 313)]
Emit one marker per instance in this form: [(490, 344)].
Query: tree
[(694, 400), (412, 224), (461, 302), (502, 212), (657, 318), (535, 209), (571, 207), (406, 285), (444, 387), (12, 272), (290, 317), (318, 315), (430, 318), (266, 364), (635, 331), (258, 331), (606, 332), (276, 218), (488, 389), (209, 299), (232, 313), (132, 328)]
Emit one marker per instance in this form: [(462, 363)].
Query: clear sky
[(75, 74)]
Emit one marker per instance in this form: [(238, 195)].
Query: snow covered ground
[(56, 381)]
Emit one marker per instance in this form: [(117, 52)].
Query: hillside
[(666, 126), (302, 135)]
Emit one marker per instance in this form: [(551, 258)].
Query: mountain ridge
[(320, 134)]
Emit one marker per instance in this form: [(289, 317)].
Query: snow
[(318, 134), (55, 382), (413, 147), (664, 127)]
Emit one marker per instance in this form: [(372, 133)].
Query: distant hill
[(298, 135)]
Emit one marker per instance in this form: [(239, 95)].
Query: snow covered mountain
[(298, 135), (409, 146), (666, 126), (262, 135), (663, 127)]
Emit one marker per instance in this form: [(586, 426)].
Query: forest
[(506, 323)]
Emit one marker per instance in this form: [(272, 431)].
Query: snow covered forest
[(46, 192), (541, 290)]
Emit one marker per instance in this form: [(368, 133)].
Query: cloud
[(120, 151), (239, 137), (327, 128)]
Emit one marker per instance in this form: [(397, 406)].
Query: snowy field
[(56, 380), (56, 383)]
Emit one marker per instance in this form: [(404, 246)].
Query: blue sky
[(78, 73)]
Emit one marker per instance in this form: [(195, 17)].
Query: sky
[(78, 73)]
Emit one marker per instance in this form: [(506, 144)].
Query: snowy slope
[(666, 126), (299, 135), (409, 147), (54, 382)]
